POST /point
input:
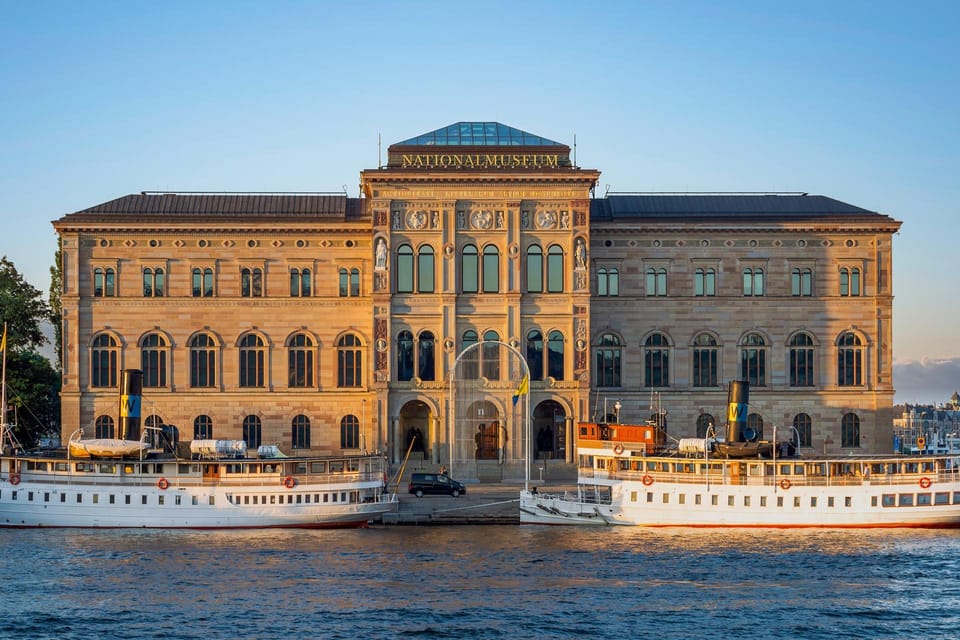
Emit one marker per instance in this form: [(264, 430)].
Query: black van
[(435, 483)]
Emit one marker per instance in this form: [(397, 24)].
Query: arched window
[(153, 282), (354, 283), (203, 361), (555, 269), (850, 430), (705, 358), (203, 428), (469, 270), (801, 282), (344, 283), (404, 356), (153, 360), (301, 432), (754, 426), (103, 427), (555, 355), (849, 360), (404, 269), (252, 431), (300, 352), (104, 356), (490, 356), (850, 281), (801, 360), (753, 360), (349, 432), (752, 281), (104, 282), (804, 427), (349, 361), (656, 281), (202, 283), (299, 283), (153, 425), (251, 360), (534, 269), (535, 354), (425, 270), (491, 269), (426, 356), (705, 282), (656, 361), (471, 362), (704, 423), (608, 357), (251, 282)]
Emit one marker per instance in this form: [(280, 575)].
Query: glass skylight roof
[(480, 134)]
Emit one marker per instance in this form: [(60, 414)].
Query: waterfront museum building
[(321, 322)]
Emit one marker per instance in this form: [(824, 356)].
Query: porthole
[(104, 243), (655, 243), (251, 243), (754, 243), (850, 243), (154, 243), (349, 243), (704, 243), (301, 243), (608, 243), (203, 243), (801, 243)]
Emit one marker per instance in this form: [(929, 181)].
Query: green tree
[(56, 307), (33, 385)]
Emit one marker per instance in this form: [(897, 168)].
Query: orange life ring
[(14, 479), (785, 484), (925, 483), (921, 443), (647, 480), (618, 449), (162, 484), (289, 482)]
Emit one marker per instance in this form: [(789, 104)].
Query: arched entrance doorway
[(489, 436), (549, 433), (414, 428)]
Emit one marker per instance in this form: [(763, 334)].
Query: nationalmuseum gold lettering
[(479, 161)]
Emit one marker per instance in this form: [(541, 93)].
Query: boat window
[(108, 468), (911, 467), (13, 495), (924, 499), (353, 465), (126, 499), (753, 470), (300, 468), (796, 501), (83, 467), (892, 467), (713, 500), (889, 500), (763, 501), (847, 501), (779, 501), (336, 466), (649, 496), (318, 467), (697, 499), (212, 500), (113, 499), (813, 501), (906, 499), (682, 498), (30, 496), (60, 466), (176, 499), (729, 501), (830, 502), (876, 468), (651, 465), (927, 467), (160, 500), (785, 469), (768, 469), (268, 468), (941, 498), (798, 469), (746, 501)]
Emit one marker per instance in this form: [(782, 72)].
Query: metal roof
[(479, 134), (225, 204)]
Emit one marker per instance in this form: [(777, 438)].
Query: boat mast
[(6, 432)]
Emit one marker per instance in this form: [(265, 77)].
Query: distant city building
[(937, 427), (327, 323)]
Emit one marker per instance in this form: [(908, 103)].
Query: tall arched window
[(608, 357), (656, 281), (252, 431), (299, 283), (850, 281), (704, 422), (344, 283), (608, 281), (203, 428), (349, 361), (470, 270), (801, 360), (753, 281), (656, 361), (850, 430), (535, 354), (534, 269), (349, 432), (804, 426), (555, 269), (103, 427), (705, 281), (300, 350), (300, 432), (755, 426), (491, 356), (801, 282), (705, 358), (251, 360), (104, 355), (153, 360), (404, 356), (153, 283), (491, 269), (426, 270), (404, 269), (104, 282), (203, 361), (471, 362), (753, 360), (354, 283), (251, 282), (849, 360), (555, 355), (426, 356), (202, 283)]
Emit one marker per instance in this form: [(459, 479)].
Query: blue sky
[(855, 100)]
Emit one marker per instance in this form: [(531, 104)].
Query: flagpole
[(3, 393)]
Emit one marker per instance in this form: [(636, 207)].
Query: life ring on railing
[(785, 484), (14, 479), (163, 484), (647, 480), (618, 449), (925, 482), (289, 482)]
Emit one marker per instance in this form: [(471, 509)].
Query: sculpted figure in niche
[(381, 256), (581, 254)]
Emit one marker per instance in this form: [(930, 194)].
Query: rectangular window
[(906, 499)]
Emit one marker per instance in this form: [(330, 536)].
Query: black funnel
[(131, 386), (738, 396)]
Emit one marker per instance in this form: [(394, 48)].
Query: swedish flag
[(522, 389), (3, 342)]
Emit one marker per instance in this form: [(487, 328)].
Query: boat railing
[(173, 479), (649, 478)]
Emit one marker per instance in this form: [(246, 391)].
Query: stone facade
[(484, 242)]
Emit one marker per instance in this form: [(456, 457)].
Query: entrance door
[(488, 440)]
